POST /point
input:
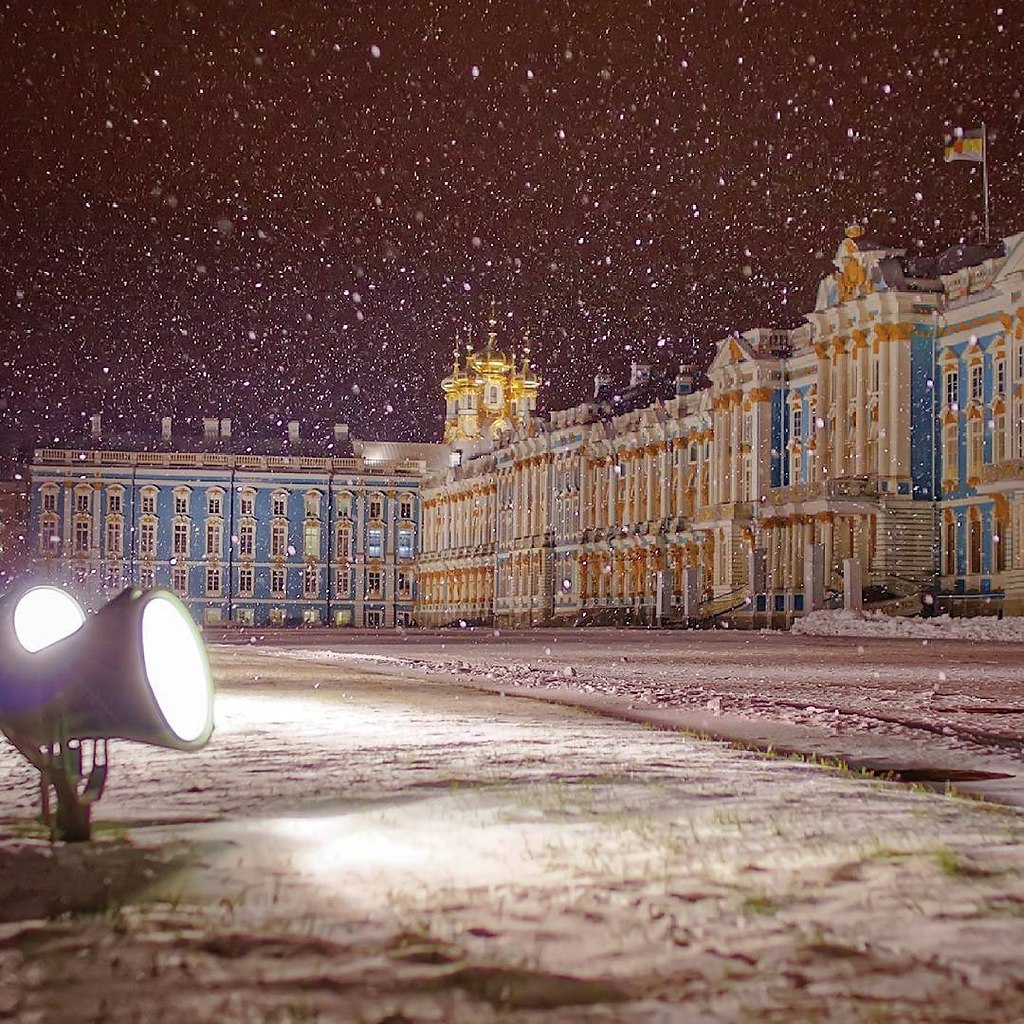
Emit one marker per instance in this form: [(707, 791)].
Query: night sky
[(286, 209)]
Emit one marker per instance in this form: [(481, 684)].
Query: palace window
[(246, 540), (245, 581), (974, 449), (115, 537), (405, 508), (405, 543), (345, 505), (213, 582), (798, 423), (114, 501), (376, 507), (999, 437), (113, 579), (404, 584), (181, 503), (179, 538), (343, 583), (949, 545), (311, 540), (179, 579), (81, 536), (342, 541), (373, 583), (974, 543), (950, 453), (1000, 376), (952, 389), (214, 536), (278, 540), (247, 505), (279, 504), (83, 500), (311, 581), (278, 580), (214, 503), (147, 538), (312, 505), (374, 542), (147, 577), (49, 500), (49, 538), (147, 502), (977, 382)]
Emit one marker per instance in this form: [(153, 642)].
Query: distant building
[(288, 530), (873, 455)]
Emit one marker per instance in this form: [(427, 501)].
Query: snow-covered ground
[(375, 846), (941, 627)]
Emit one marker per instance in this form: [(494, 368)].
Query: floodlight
[(136, 670), (42, 615)]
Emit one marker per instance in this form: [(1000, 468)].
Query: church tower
[(489, 394)]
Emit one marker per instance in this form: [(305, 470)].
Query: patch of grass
[(949, 863)]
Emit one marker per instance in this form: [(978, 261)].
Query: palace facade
[(873, 456), (283, 531)]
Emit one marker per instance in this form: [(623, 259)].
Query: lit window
[(311, 540), (312, 506), (374, 543), (952, 389), (405, 543)]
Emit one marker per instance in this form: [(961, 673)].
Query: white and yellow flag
[(969, 145)]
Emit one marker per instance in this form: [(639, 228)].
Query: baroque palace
[(872, 457)]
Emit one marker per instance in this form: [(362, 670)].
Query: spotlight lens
[(176, 667), (45, 615)]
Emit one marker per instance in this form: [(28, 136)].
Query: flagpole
[(984, 176)]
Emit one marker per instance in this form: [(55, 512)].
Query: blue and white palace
[(872, 456), (282, 531)]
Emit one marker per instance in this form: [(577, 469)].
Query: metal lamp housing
[(136, 670)]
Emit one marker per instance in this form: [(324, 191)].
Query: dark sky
[(287, 208)]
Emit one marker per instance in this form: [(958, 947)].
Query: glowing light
[(45, 615), (176, 667)]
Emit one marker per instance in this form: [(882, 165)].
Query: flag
[(970, 145)]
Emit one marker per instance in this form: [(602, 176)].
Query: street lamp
[(136, 670)]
